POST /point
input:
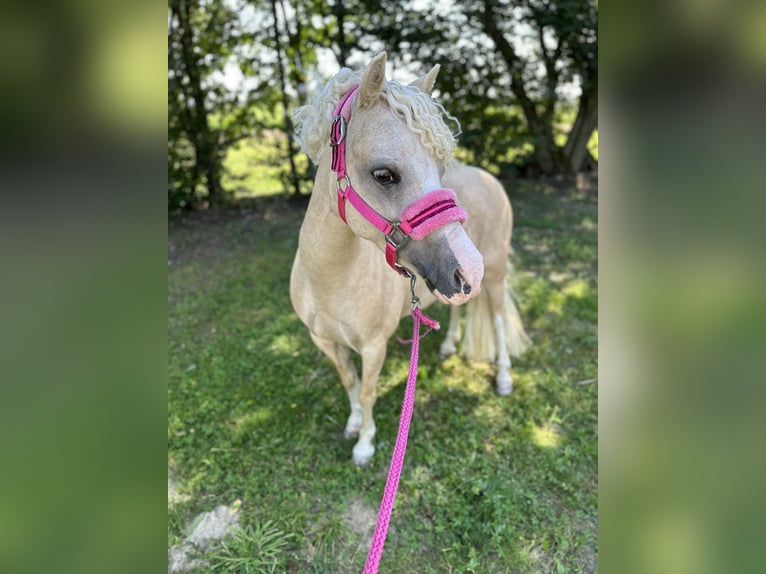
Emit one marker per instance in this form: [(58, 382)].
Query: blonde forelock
[(419, 112)]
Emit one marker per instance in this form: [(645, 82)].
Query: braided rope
[(397, 459)]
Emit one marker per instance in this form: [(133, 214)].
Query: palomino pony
[(379, 212)]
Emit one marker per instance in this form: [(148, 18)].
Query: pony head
[(397, 148)]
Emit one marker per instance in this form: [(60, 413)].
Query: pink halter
[(423, 216)]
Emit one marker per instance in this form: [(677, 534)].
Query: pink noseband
[(423, 216)]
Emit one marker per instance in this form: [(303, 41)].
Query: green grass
[(250, 550), (256, 413)]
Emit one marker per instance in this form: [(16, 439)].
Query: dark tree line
[(505, 68)]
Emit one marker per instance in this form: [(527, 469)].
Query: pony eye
[(384, 176)]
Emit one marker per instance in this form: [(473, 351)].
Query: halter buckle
[(397, 237), (340, 122)]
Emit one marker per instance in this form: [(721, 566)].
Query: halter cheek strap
[(423, 216)]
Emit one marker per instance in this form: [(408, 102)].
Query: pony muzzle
[(459, 279)]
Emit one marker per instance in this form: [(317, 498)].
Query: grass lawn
[(256, 413)]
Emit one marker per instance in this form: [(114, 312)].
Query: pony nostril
[(461, 282)]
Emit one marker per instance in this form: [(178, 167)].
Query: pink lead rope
[(397, 459)]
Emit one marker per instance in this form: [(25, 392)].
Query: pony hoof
[(504, 390), (504, 385), (353, 425), (446, 351), (362, 463), (362, 456)]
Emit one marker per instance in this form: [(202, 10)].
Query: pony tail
[(479, 338), (516, 337), (479, 341)]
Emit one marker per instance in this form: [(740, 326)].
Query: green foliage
[(183, 179), (256, 413), (201, 38), (494, 140), (484, 69), (204, 123)]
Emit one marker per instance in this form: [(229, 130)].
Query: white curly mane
[(420, 113)]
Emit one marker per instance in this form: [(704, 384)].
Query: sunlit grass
[(545, 435), (253, 167), (249, 422), (593, 145)]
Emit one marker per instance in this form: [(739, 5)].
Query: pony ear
[(372, 83), (426, 83)]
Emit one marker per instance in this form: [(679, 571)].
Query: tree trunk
[(285, 103), (576, 148), (205, 148), (340, 13), (296, 41), (546, 153)]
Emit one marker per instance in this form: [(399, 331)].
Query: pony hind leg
[(449, 345), (497, 304), (511, 339), (340, 355)]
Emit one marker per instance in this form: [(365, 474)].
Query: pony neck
[(324, 235)]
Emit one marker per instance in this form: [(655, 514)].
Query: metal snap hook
[(415, 301)]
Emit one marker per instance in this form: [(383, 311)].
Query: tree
[(505, 67), (565, 31), (205, 118), (505, 91), (198, 39)]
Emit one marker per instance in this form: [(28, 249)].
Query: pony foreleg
[(503, 379), (344, 364), (354, 422), (373, 356), (449, 345)]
